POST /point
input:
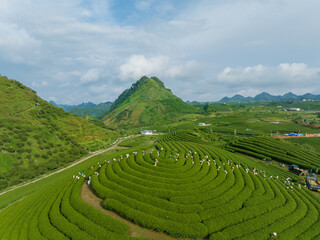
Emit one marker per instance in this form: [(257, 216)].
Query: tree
[(206, 108)]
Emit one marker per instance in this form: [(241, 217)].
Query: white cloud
[(90, 76), (143, 4), (260, 75), (73, 44), (181, 70), (17, 45), (251, 80), (137, 66)]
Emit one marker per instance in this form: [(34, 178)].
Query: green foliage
[(55, 210), (271, 148), (179, 196), (147, 103), (225, 203), (168, 186), (309, 144), (128, 92), (96, 217), (96, 112), (37, 137), (206, 108)]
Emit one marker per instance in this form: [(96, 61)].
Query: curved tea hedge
[(276, 149), (58, 212), (191, 189), (183, 187)]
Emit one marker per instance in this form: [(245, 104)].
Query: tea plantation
[(277, 149), (182, 186)]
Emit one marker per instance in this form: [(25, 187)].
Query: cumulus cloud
[(259, 75), (90, 76), (250, 80), (181, 70), (17, 45), (137, 66), (73, 44), (65, 76)]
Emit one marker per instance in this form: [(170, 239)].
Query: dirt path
[(73, 164), (27, 109), (135, 230)]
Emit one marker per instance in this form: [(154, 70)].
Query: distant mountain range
[(86, 109), (266, 97)]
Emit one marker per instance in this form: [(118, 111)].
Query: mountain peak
[(146, 102), (289, 94), (147, 84), (145, 79), (263, 94)]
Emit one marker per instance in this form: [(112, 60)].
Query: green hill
[(146, 103), (36, 137)]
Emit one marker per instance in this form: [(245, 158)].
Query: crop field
[(277, 149), (312, 143), (246, 123), (52, 209), (182, 186), (255, 123)]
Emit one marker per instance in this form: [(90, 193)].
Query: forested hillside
[(36, 137), (146, 103)]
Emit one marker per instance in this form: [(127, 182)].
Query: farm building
[(203, 124), (291, 109), (146, 132)]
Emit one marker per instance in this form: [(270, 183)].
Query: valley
[(159, 120), (208, 171)]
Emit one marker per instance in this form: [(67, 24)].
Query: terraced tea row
[(194, 190), (58, 212), (184, 188), (270, 148)]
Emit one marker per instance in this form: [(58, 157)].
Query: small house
[(291, 109), (146, 132), (204, 124)]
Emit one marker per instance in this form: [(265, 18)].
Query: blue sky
[(78, 51)]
